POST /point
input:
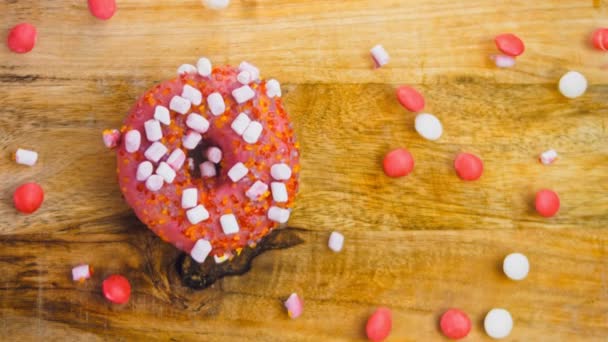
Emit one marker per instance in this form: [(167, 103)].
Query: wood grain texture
[(419, 244)]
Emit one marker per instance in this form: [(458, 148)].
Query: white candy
[(573, 84), (189, 198), (214, 154), (253, 71), (548, 157), (273, 88), (153, 130), (161, 113), (239, 125), (256, 190), (516, 266), (243, 94), (192, 94), (156, 151), (253, 132), (186, 69), (229, 224), (81, 272), (279, 192), (154, 182), (176, 159), (180, 104), (503, 61), (200, 251), (428, 126), (144, 170), (379, 55), (279, 215), (216, 104), (110, 138), (237, 172), (498, 323), (191, 140), (197, 122), (223, 258), (244, 77), (197, 214), (216, 4), (166, 171), (26, 157), (204, 67), (132, 141), (336, 241), (280, 171), (207, 169)]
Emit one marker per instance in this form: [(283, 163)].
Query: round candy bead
[(468, 166), (116, 289), (22, 38), (28, 197), (516, 266), (428, 126), (498, 323), (410, 98), (573, 84), (455, 324), (102, 9), (398, 163), (547, 203), (509, 44), (600, 39), (379, 325)]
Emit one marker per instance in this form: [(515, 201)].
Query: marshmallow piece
[(153, 130), (216, 4), (273, 88), (573, 84), (189, 198), (191, 140), (214, 154), (428, 126), (204, 67), (216, 104), (81, 272), (197, 122), (207, 169), (244, 77), (161, 113), (223, 258), (279, 215), (243, 94), (336, 241), (240, 124), (176, 159), (279, 192), (111, 137), (253, 71), (503, 61), (179, 104), (186, 69), (379, 55), (197, 214), (229, 224), (164, 170), (192, 94), (26, 157), (498, 323), (294, 306), (154, 183), (548, 157), (253, 132), (280, 171), (156, 151), (516, 266), (200, 251), (132, 140), (144, 170), (256, 190), (237, 172)]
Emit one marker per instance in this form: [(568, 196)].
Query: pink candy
[(111, 138), (102, 9), (22, 38), (509, 44), (81, 272), (379, 325), (294, 306)]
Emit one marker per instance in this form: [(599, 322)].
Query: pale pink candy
[(144, 170), (243, 94), (244, 77), (197, 122), (207, 169), (503, 61), (186, 69), (214, 154), (111, 138), (336, 241), (273, 88), (197, 214), (81, 272), (191, 140), (253, 132), (280, 171), (154, 183), (279, 215), (161, 113), (156, 151), (229, 224), (132, 141), (176, 159), (253, 71), (201, 250), (548, 157), (180, 104), (216, 104), (192, 94), (279, 192), (240, 123), (256, 190), (237, 172), (153, 130), (189, 198), (26, 157), (379, 55), (294, 305), (204, 67), (165, 171)]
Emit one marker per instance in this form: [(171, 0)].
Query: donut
[(208, 160)]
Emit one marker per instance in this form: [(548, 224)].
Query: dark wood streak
[(13, 78)]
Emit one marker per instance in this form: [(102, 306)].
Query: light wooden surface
[(419, 244)]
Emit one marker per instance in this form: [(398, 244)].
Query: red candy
[(102, 9), (600, 39), (509, 44), (117, 289), (22, 38), (398, 163), (28, 197), (379, 325), (455, 324), (468, 166), (547, 203), (410, 98)]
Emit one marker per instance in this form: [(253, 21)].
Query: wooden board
[(419, 245)]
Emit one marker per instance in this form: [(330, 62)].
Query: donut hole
[(199, 156)]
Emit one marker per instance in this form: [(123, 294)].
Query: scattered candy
[(468, 166), (189, 198), (279, 215), (256, 190), (410, 98), (192, 94), (197, 214), (22, 38), (102, 9), (251, 69), (166, 171), (379, 325), (81, 272), (191, 140), (498, 323), (516, 266), (207, 169), (237, 172), (229, 224), (132, 141), (111, 137), (186, 69), (279, 192), (243, 94), (280, 171), (253, 132), (548, 157), (116, 289), (216, 104), (28, 198), (379, 55), (509, 44), (153, 130), (144, 170), (180, 104), (155, 151), (214, 154), (176, 159), (273, 88), (26, 157), (200, 251), (161, 113), (428, 126), (244, 77), (240, 123), (336, 241), (503, 61), (216, 4), (154, 183), (398, 163), (547, 203), (455, 324), (600, 39), (197, 122), (294, 306), (204, 67), (573, 84)]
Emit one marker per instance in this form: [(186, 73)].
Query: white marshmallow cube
[(216, 104), (197, 214), (189, 198), (428, 126), (280, 171), (336, 241), (379, 55), (161, 113), (229, 224), (243, 94), (207, 169), (176, 159), (155, 152), (244, 77), (144, 170), (197, 122), (214, 154), (26, 157), (273, 88), (192, 94), (516, 266), (81, 272), (201, 250), (256, 190), (180, 104), (186, 69), (498, 323), (237, 172), (132, 140), (253, 71), (166, 171), (253, 132), (548, 157), (240, 123), (279, 215), (503, 61), (191, 140), (153, 130), (204, 67), (573, 84), (154, 183), (279, 192)]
